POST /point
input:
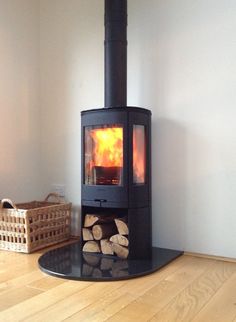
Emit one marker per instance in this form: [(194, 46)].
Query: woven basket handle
[(55, 195), (3, 201)]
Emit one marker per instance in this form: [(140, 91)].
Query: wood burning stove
[(116, 148), (115, 179), (116, 170)]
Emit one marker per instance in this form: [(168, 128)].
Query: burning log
[(120, 251), (87, 234), (91, 219), (92, 247), (119, 239), (104, 231), (122, 226), (107, 175), (106, 247)]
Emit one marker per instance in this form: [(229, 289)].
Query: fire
[(104, 155), (108, 146), (139, 154)]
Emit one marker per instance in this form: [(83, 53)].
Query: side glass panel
[(139, 154), (103, 153)]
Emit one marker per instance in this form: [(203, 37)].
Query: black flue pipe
[(115, 53)]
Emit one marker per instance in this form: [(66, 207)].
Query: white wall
[(71, 36), (19, 100), (182, 66)]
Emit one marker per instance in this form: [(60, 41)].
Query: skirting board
[(219, 258)]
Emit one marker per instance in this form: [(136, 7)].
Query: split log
[(91, 259), (87, 234), (119, 239), (103, 231), (120, 251), (106, 264), (91, 247), (87, 270), (122, 226), (91, 219), (106, 247)]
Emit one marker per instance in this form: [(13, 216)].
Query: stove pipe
[(115, 53)]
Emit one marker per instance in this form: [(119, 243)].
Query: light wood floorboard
[(188, 289)]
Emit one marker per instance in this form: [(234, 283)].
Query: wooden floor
[(188, 289)]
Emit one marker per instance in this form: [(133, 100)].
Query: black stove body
[(119, 181)]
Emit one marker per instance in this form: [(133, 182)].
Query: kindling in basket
[(26, 227)]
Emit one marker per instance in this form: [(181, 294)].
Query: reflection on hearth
[(71, 263), (98, 266)]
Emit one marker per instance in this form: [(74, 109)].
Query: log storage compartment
[(103, 234)]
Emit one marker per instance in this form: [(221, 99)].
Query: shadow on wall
[(169, 175), (75, 220)]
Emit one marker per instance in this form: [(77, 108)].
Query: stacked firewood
[(106, 234)]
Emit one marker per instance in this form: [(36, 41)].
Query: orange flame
[(139, 155), (108, 146)]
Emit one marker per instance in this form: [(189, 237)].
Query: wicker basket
[(29, 226)]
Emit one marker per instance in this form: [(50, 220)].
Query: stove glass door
[(139, 154), (103, 147)]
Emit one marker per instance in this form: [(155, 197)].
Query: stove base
[(70, 263)]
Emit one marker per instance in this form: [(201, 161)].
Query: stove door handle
[(100, 201)]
